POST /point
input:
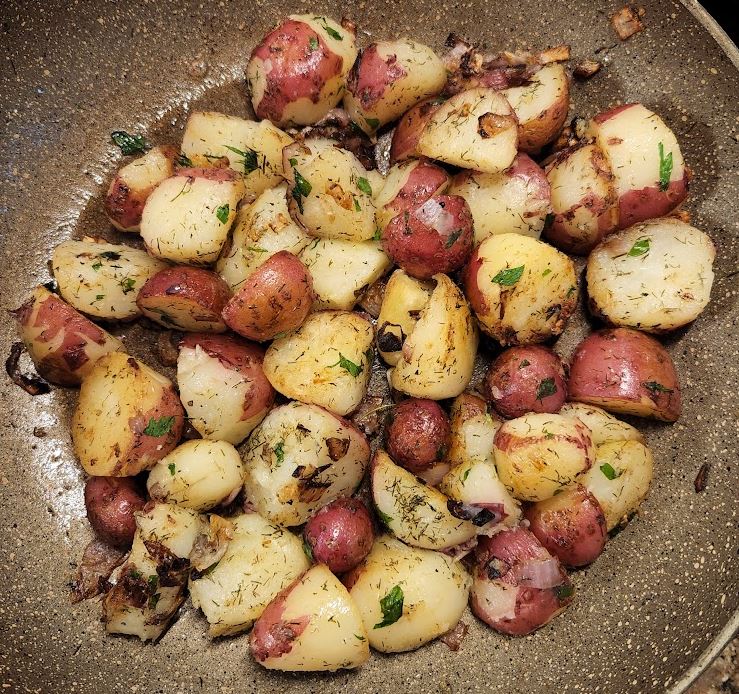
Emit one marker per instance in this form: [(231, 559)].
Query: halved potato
[(604, 427)]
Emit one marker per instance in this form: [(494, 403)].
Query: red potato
[(435, 237), (130, 187), (570, 525), (409, 128), (276, 298), (111, 503), (185, 298), (340, 535), (518, 586), (419, 434), (627, 372), (63, 344), (526, 379)]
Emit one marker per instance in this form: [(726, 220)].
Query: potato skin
[(625, 371), (435, 237), (340, 535), (409, 128), (111, 503), (526, 379), (275, 298), (570, 525), (418, 435)]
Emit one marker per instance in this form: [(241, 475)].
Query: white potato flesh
[(434, 590), (102, 279), (630, 464), (187, 219), (475, 129), (260, 560), (198, 474), (260, 230), (173, 526), (342, 270), (402, 302), (397, 177), (655, 276), (439, 354), (413, 511), (539, 454), (333, 637), (604, 427), (327, 361), (299, 459), (472, 430), (252, 148)]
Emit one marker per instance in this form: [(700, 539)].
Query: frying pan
[(650, 614)]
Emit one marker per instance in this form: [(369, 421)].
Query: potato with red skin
[(409, 128), (276, 298), (340, 535), (419, 434), (435, 237), (625, 371), (526, 379), (185, 298), (570, 525), (63, 344), (111, 503), (518, 586)]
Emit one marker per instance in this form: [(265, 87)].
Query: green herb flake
[(135, 574), (359, 638), (250, 158), (154, 601), (641, 247), (301, 189), (608, 470), (256, 249), (452, 238), (564, 592), (153, 582), (524, 363), (222, 213), (183, 161), (99, 296), (172, 468), (364, 185), (350, 366), (159, 427), (509, 276), (313, 43), (384, 518), (665, 168), (308, 551), (329, 30), (392, 607), (545, 388), (546, 272), (373, 123), (378, 234), (279, 451), (293, 161), (357, 207), (466, 474), (129, 144), (96, 265), (653, 387), (127, 284)]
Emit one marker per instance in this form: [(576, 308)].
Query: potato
[(584, 199), (620, 479), (418, 434), (313, 625), (540, 106), (251, 148), (301, 458), (538, 454), (514, 201), (431, 238), (102, 279), (438, 356), (187, 217), (655, 276), (63, 344), (259, 561), (402, 302), (525, 379), (128, 416), (644, 155), (603, 427), (522, 290), (416, 513), (475, 129), (390, 77), (327, 361), (298, 71), (198, 474), (409, 128), (223, 386), (518, 586), (274, 299), (472, 429), (185, 298), (259, 231), (111, 503), (330, 195), (394, 591), (570, 525), (342, 270), (627, 372), (133, 183)]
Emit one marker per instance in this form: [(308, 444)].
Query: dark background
[(725, 12)]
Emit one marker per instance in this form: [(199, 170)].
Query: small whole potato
[(111, 503), (419, 434), (276, 298), (409, 129), (435, 237), (526, 379), (340, 535)]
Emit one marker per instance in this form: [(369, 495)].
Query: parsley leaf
[(524, 363), (563, 592), (250, 158), (665, 167), (350, 366), (364, 185), (301, 189), (373, 123), (279, 451), (222, 213), (159, 427), (509, 276), (183, 160), (129, 144), (378, 234), (356, 204), (466, 474), (639, 248), (96, 265), (256, 249), (654, 387), (153, 582), (384, 518), (127, 284), (313, 43), (545, 388), (546, 272), (452, 238), (392, 607), (608, 470), (329, 30), (308, 551), (172, 467)]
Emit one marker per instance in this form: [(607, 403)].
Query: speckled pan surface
[(666, 589)]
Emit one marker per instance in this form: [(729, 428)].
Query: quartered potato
[(604, 427)]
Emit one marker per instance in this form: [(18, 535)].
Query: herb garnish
[(639, 248), (279, 451), (222, 213), (545, 388), (509, 276), (524, 363), (392, 607), (127, 284), (665, 168), (159, 427), (384, 518), (655, 387), (364, 185), (329, 30), (183, 160), (129, 144), (250, 158), (350, 366), (308, 551), (608, 470), (313, 43), (301, 189), (452, 238), (172, 467), (373, 123)]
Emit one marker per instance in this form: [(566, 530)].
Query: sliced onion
[(537, 573), (433, 215)]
